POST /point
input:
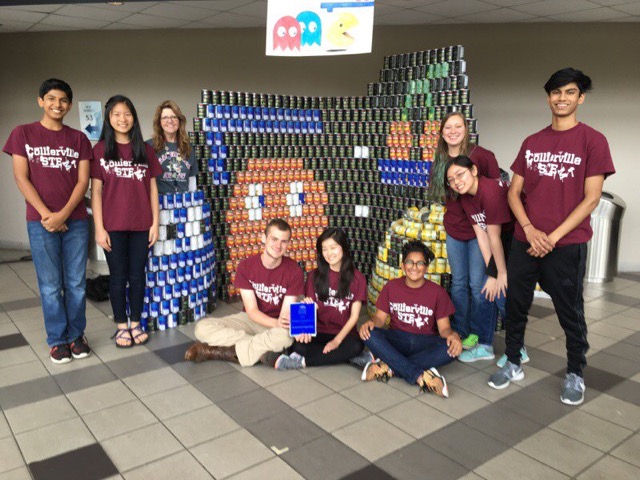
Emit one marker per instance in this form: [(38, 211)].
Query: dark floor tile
[(12, 341), (325, 458), (545, 361), (167, 338), (20, 304), (624, 350), (174, 354), (135, 364), (372, 472), (465, 444), (80, 379), (28, 392), (629, 276), (253, 406), (620, 299), (285, 429), (537, 403), (600, 380), (502, 424), (633, 339), (540, 311), (628, 390), (417, 460), (87, 463), (194, 372), (614, 364), (226, 386)]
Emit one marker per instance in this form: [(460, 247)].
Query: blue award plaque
[(302, 319)]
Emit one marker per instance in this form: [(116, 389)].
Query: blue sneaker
[(524, 358), (507, 374), (574, 388), (479, 352), (362, 359)]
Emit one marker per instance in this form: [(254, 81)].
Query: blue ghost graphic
[(311, 27)]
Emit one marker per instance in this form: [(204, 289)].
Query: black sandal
[(120, 335), (135, 336)]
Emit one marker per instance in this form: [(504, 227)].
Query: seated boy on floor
[(268, 282), (420, 337)]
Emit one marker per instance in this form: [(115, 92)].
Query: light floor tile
[(591, 430), (54, 439), (267, 376), (615, 411), (175, 402), (623, 321), (155, 381), (459, 404), (22, 373), (477, 384), (559, 451), (609, 330), (102, 396), (300, 390), (609, 468), (201, 425), (6, 325), (140, 447), (373, 438), (416, 418), (5, 430), (40, 414), (274, 468), (21, 473), (11, 457), (180, 465), (628, 451), (119, 419), (375, 396), (336, 377), (333, 412), (502, 468), (231, 453)]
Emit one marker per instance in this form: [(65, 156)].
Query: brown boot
[(199, 352)]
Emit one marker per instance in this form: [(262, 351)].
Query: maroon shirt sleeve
[(360, 292), (96, 169), (16, 142), (154, 164), (518, 166), (444, 305), (296, 280), (309, 291), (486, 162), (241, 276), (494, 202), (86, 152), (382, 303), (600, 161)]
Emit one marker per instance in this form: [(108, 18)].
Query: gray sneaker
[(507, 374), (362, 359), (290, 362), (574, 388)]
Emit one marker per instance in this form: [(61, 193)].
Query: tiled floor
[(144, 413)]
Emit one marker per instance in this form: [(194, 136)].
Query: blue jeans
[(408, 354), (474, 313), (487, 316), (60, 260)]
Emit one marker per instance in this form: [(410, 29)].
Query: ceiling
[(38, 15)]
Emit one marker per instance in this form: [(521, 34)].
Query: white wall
[(507, 65)]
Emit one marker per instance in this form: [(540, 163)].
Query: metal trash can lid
[(611, 206)]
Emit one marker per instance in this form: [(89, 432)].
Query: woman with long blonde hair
[(171, 144)]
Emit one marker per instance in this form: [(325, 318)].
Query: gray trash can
[(602, 249)]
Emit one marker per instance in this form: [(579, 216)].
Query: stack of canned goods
[(181, 270), (352, 162), (423, 224)]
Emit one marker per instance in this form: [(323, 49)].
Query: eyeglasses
[(172, 118), (457, 176), (411, 263)]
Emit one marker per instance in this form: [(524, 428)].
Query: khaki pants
[(250, 339)]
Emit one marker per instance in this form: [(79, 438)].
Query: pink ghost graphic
[(286, 34)]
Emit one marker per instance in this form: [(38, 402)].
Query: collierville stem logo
[(124, 169), (555, 165), (60, 158), (417, 315), (269, 293)]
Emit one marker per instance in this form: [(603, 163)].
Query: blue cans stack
[(181, 269)]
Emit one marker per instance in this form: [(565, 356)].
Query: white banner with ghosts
[(302, 28)]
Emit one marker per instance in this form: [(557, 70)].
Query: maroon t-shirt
[(414, 310), (489, 206), (554, 165), (126, 189), (270, 286), (455, 221), (335, 312), (54, 157)]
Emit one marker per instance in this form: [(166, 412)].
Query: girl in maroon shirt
[(465, 258), (124, 199), (338, 289)]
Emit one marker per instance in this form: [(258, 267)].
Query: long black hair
[(321, 279), (108, 135)]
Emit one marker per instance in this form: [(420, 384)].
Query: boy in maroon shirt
[(268, 284), (562, 169), (419, 337), (51, 168)]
